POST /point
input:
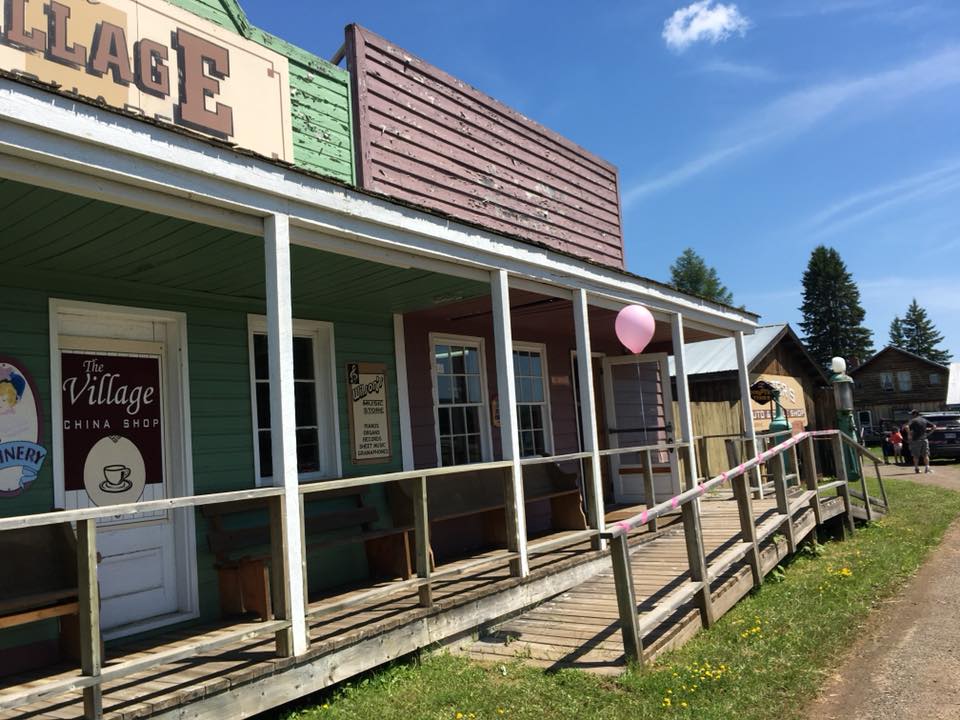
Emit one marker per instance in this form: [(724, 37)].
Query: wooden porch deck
[(581, 627), (239, 676)]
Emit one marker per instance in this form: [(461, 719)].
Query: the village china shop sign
[(112, 425), (154, 59)]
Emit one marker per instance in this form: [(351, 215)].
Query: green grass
[(766, 658)]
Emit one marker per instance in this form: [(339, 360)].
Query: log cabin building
[(286, 316), (893, 382)]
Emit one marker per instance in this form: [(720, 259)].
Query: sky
[(751, 131)]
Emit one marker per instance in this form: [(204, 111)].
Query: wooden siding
[(896, 404), (426, 138), (319, 94)]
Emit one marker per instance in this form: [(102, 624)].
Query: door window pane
[(531, 401), (460, 404)]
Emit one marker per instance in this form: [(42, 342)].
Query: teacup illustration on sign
[(116, 478), (114, 471)]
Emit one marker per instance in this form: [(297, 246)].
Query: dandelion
[(683, 704)]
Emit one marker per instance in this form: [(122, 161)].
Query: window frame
[(541, 348), (893, 381), (486, 449), (934, 380), (327, 401)]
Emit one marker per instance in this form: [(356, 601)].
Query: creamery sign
[(154, 59)]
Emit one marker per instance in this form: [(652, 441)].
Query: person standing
[(905, 434), (920, 429), (896, 439)]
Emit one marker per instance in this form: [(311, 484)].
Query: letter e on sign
[(202, 65)]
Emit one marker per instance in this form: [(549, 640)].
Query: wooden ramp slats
[(770, 526), (727, 559), (831, 485), (669, 605), (801, 500)]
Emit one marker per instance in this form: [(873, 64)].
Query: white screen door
[(639, 409)]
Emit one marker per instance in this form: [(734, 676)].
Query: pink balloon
[(635, 326)]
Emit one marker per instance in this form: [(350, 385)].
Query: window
[(886, 381), (460, 400), (533, 410), (934, 379), (903, 380), (314, 395)]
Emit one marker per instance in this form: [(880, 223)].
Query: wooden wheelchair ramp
[(581, 628)]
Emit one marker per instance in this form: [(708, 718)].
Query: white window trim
[(548, 444), (324, 365), (486, 450)]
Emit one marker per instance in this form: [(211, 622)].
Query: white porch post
[(749, 431), (282, 418), (509, 437), (588, 411), (685, 421), (403, 396)]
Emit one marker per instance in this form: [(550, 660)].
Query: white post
[(588, 410), (283, 426), (509, 437), (683, 397), (403, 397), (748, 428)]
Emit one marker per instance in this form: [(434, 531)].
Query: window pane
[(458, 363), (472, 360), (443, 414), (460, 449), (525, 418), (261, 362), (525, 390), (473, 419), (308, 451), (266, 453), (540, 445), (536, 390), (526, 444), (459, 421), (303, 358), (305, 401), (473, 448), (473, 389), (263, 405), (446, 451), (536, 417), (459, 389), (536, 365), (444, 389), (442, 358), (524, 362)]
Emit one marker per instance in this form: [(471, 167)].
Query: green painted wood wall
[(319, 94)]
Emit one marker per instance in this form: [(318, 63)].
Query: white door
[(117, 434), (639, 409)]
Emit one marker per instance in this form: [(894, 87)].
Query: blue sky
[(751, 131)]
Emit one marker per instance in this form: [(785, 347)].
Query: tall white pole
[(510, 438), (588, 410), (283, 425), (749, 431), (683, 396)]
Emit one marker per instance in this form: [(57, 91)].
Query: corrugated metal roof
[(953, 385), (716, 356)]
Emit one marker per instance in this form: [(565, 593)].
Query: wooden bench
[(40, 581), (466, 510), (238, 535)]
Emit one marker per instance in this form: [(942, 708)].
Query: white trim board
[(56, 133)]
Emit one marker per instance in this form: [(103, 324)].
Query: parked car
[(872, 435), (945, 440)]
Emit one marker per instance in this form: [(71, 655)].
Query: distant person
[(920, 429), (887, 448), (905, 450), (896, 439)]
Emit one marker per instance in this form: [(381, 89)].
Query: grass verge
[(766, 658)]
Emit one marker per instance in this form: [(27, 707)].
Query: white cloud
[(703, 21), (801, 110)]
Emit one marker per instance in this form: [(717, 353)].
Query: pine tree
[(897, 339), (690, 274), (920, 336), (832, 315)]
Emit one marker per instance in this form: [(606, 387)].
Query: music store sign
[(112, 425), (154, 59)]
